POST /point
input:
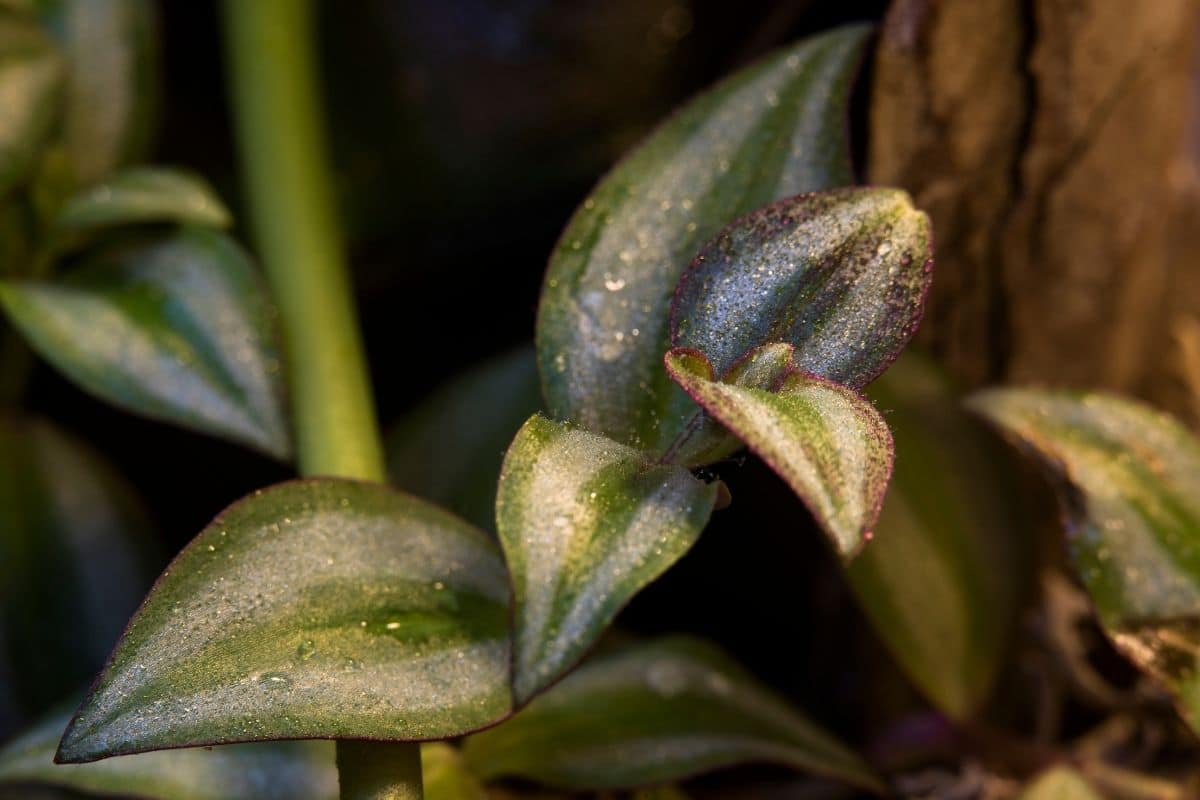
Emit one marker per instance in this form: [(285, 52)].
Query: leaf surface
[(1130, 485), (774, 129), (260, 771), (826, 441), (657, 712), (179, 328), (323, 608), (941, 582), (585, 524), (841, 275), (144, 194)]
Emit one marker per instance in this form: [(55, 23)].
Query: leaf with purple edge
[(1129, 480), (826, 441), (658, 711), (772, 130), (178, 327), (585, 524), (321, 608)]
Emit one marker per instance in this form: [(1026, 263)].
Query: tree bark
[(1054, 143)]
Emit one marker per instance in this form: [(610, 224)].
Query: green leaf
[(1059, 783), (942, 580), (660, 711), (775, 129), (449, 449), (30, 81), (1130, 480), (112, 81), (179, 328), (324, 608), (826, 441), (842, 275), (264, 771), (585, 524), (74, 561), (143, 194)]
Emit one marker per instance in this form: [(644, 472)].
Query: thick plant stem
[(273, 84)]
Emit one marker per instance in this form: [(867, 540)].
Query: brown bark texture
[(1054, 143)]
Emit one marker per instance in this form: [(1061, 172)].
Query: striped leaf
[(315, 609), (841, 275), (657, 712), (143, 194), (828, 442), (179, 328), (773, 130), (585, 524), (261, 771), (1131, 497)]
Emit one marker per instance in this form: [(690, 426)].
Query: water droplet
[(614, 285), (306, 649), (275, 680)]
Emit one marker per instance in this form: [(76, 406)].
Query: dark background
[(464, 134)]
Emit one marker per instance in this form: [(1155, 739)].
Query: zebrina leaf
[(179, 328), (1131, 495), (655, 712), (585, 524), (827, 441), (772, 130), (143, 194), (314, 609), (260, 771)]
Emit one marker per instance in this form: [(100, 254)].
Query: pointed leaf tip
[(827, 441), (585, 524), (321, 608)]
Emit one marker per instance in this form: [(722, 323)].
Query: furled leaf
[(585, 524), (30, 81), (775, 129), (828, 442), (324, 608), (656, 712), (74, 561), (261, 771), (1059, 783), (1131, 495), (941, 581), (842, 275), (450, 448), (112, 80), (143, 194), (179, 328)]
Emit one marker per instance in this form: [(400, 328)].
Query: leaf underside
[(144, 194)]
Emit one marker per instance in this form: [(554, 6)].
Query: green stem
[(273, 78), (273, 83)]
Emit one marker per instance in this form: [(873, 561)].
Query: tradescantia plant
[(725, 288)]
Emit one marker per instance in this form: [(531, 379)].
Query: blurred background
[(1053, 143)]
